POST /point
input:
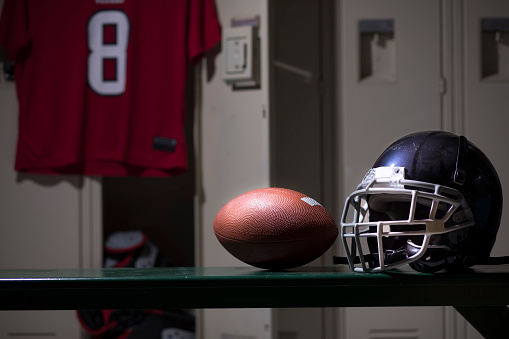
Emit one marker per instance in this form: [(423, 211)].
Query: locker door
[(395, 323), (234, 159), (486, 88), (36, 213), (389, 79), (389, 86), (299, 153)]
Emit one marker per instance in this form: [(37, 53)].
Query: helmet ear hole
[(434, 258)]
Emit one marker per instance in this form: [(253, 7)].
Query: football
[(275, 228)]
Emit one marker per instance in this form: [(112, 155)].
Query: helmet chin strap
[(390, 257), (369, 258)]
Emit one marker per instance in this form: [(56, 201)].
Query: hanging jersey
[(101, 83)]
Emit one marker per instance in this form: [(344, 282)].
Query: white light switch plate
[(238, 44)]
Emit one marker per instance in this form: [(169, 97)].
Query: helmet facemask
[(391, 221)]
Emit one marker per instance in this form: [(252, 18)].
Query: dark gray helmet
[(432, 200)]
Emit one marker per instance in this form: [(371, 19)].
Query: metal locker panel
[(37, 213), (398, 323), (397, 93), (486, 97), (39, 325), (234, 158), (378, 111)]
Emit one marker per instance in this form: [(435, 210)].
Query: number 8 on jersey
[(108, 37)]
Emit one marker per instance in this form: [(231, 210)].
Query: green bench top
[(247, 287)]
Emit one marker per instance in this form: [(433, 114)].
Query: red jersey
[(101, 83)]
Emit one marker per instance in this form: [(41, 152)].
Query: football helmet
[(432, 200)]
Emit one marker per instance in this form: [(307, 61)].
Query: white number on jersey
[(107, 52)]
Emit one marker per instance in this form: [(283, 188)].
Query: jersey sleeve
[(14, 33), (204, 28)]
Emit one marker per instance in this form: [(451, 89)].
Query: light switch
[(236, 55), (240, 56)]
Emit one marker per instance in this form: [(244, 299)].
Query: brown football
[(275, 228)]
